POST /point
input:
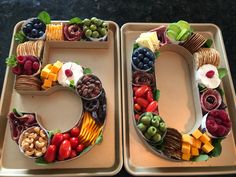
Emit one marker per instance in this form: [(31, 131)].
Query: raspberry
[(17, 70), (28, 65), (210, 74), (21, 59), (68, 72), (35, 66), (221, 131)]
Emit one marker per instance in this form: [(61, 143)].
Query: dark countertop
[(219, 12)]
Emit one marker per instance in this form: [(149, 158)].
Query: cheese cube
[(194, 151), (186, 148), (56, 67), (197, 133), (204, 138), (207, 147), (44, 73), (197, 144), (47, 83), (52, 76), (186, 156), (187, 139)]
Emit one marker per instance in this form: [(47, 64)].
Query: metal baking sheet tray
[(103, 159), (177, 105)]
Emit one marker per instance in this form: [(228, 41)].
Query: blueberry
[(140, 56), (36, 20), (144, 50), (135, 53), (150, 55), (145, 66), (26, 30), (145, 60), (140, 65), (135, 60), (34, 32), (29, 26), (42, 26), (36, 26), (41, 33), (150, 63)]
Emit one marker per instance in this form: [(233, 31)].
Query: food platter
[(46, 103), (171, 59)]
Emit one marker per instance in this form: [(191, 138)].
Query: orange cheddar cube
[(186, 147), (52, 76), (186, 156), (187, 139), (47, 83), (44, 73), (197, 144), (204, 138), (56, 67), (207, 147), (194, 151), (197, 133)]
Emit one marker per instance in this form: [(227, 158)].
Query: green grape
[(86, 22), (95, 34), (88, 33)]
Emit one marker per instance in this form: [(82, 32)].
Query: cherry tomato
[(74, 141), (149, 96), (152, 106), (137, 107), (142, 102), (65, 149), (80, 148), (75, 131), (73, 154), (66, 136), (137, 116), (141, 91), (50, 154), (57, 139)]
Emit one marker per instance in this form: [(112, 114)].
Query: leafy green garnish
[(201, 157), (222, 72), (201, 87), (19, 114), (87, 71), (217, 147), (11, 61), (52, 132), (208, 43), (72, 84), (135, 46), (156, 94), (41, 161), (99, 139), (20, 37), (75, 20), (157, 54), (44, 17)]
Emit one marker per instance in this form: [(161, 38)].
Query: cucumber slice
[(174, 27), (182, 33), (185, 36), (171, 34), (183, 24)]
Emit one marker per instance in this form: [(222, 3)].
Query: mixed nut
[(33, 142)]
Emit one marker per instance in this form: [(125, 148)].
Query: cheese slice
[(145, 42)]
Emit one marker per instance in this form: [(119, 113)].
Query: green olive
[(88, 33), (99, 22), (86, 22), (95, 34), (104, 25), (93, 27), (94, 20), (103, 32)]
